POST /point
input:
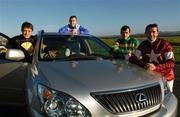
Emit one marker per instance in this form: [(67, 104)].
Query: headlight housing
[(56, 104)]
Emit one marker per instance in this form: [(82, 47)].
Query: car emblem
[(140, 98)]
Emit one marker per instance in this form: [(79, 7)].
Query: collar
[(152, 42), (126, 39)]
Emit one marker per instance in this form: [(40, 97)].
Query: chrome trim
[(124, 101), (125, 90)]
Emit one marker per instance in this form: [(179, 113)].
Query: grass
[(173, 39)]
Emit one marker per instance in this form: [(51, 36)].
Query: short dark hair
[(125, 27), (73, 16), (26, 25), (151, 26)]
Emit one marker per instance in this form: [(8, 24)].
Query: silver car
[(76, 76)]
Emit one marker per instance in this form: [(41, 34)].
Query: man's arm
[(83, 30), (134, 59), (163, 67), (64, 29), (137, 43), (169, 58)]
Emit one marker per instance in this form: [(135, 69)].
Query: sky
[(100, 17)]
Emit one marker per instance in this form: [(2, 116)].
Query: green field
[(173, 39)]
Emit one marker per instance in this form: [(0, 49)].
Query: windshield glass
[(65, 47)]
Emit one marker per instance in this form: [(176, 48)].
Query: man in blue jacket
[(73, 28)]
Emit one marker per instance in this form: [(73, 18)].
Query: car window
[(65, 47), (96, 48)]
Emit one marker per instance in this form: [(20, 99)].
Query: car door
[(12, 76)]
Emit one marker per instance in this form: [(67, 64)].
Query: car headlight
[(57, 104)]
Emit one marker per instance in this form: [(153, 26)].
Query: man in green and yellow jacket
[(125, 45)]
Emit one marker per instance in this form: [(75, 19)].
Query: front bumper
[(168, 108)]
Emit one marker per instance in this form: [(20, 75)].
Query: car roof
[(58, 33)]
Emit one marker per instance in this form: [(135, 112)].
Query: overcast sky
[(100, 17)]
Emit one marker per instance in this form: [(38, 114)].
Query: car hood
[(94, 75)]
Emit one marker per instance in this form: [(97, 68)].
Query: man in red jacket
[(155, 54)]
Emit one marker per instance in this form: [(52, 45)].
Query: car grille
[(119, 102)]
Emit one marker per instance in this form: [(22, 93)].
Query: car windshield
[(66, 47)]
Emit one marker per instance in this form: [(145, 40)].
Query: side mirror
[(14, 54)]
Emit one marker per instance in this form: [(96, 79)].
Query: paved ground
[(14, 111)]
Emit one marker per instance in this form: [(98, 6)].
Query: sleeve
[(166, 69), (135, 58), (14, 42), (163, 67), (137, 43), (169, 62), (63, 29), (115, 44), (10, 43), (83, 30)]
